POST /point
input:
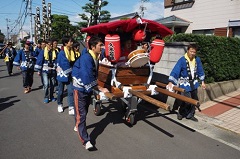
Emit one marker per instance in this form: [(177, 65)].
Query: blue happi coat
[(64, 68), (10, 53), (43, 65), (84, 73), (24, 60), (179, 74)]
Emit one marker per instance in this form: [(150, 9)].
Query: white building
[(213, 17), (23, 34)]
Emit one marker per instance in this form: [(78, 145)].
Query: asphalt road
[(30, 129)]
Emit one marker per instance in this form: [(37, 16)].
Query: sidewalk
[(224, 112)]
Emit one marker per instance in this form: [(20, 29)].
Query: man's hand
[(170, 87), (58, 69), (101, 89), (203, 85)]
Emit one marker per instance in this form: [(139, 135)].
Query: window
[(182, 1), (204, 32), (182, 4), (236, 32)]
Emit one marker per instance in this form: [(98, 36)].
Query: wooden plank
[(104, 69), (163, 85), (150, 100), (106, 78), (140, 80), (180, 97), (109, 87), (143, 71)]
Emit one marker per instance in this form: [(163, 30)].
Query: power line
[(55, 8), (60, 12), (77, 3), (19, 18), (60, 4), (24, 12), (64, 13)]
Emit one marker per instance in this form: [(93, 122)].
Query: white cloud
[(153, 10), (74, 19)]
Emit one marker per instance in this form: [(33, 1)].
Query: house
[(209, 17), (23, 34)]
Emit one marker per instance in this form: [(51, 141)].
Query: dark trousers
[(186, 109), (9, 66), (82, 102), (27, 77)]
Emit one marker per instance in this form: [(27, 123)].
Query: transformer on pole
[(142, 8)]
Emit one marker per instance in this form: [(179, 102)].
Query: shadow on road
[(15, 74), (38, 88), (151, 111), (113, 115), (4, 104)]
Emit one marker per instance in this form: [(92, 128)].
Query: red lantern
[(87, 39), (157, 47), (139, 35), (112, 47)]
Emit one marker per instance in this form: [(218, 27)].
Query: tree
[(94, 8), (61, 27)]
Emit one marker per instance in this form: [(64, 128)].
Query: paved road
[(31, 129)]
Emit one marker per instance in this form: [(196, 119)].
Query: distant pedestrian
[(25, 61), (57, 50), (10, 54), (46, 66), (65, 61), (38, 47), (42, 45), (84, 74), (186, 73), (76, 47)]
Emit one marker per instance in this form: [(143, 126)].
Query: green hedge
[(220, 55)]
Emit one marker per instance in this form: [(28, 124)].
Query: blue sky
[(10, 10)]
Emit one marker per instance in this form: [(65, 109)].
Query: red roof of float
[(128, 26)]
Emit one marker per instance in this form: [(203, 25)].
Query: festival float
[(128, 77)]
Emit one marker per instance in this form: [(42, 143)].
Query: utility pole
[(30, 14), (49, 20), (8, 20), (142, 8), (44, 19)]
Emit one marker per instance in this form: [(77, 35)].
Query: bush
[(220, 55)]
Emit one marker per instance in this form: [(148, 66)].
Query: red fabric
[(128, 25)]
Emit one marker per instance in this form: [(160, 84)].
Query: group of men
[(78, 72), (59, 68)]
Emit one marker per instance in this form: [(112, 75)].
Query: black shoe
[(190, 115), (179, 116), (193, 119), (172, 111)]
